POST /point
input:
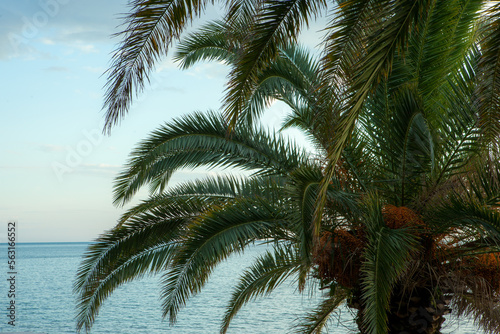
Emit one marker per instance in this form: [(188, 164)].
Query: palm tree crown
[(409, 226), (362, 42)]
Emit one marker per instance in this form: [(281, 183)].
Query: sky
[(56, 166)]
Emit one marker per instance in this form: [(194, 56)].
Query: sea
[(44, 303)]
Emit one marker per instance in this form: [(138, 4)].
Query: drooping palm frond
[(151, 27), (458, 212), (149, 260), (241, 10), (483, 183), (149, 236), (489, 76), (139, 246), (210, 191), (345, 34), (201, 140), (475, 299), (303, 190), (212, 239), (386, 257), (441, 39), (294, 77), (317, 320), (276, 24), (459, 133), (213, 41), (268, 272)]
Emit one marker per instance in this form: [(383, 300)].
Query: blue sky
[(56, 168)]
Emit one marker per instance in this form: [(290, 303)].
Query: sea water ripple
[(45, 303)]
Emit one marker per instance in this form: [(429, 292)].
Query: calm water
[(44, 301)]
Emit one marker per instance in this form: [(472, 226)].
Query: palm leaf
[(475, 299), (211, 240), (303, 189), (264, 276), (209, 191), (152, 25), (276, 23), (140, 246), (316, 320), (489, 76), (149, 260), (213, 41), (458, 212), (381, 46), (201, 140), (386, 258)]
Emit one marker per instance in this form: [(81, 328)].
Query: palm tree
[(361, 42), (410, 225), (423, 135), (185, 231), (275, 203), (153, 25), (363, 39)]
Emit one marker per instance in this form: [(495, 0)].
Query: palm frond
[(400, 138), (212, 239), (213, 41), (346, 32), (140, 246), (386, 257), (201, 140), (475, 299), (293, 77), (483, 184), (152, 25), (265, 275), (153, 259), (458, 133), (303, 189), (316, 320), (276, 24), (489, 76), (397, 19), (209, 191), (461, 213), (443, 35)]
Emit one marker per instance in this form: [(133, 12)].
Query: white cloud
[(101, 167), (57, 69), (48, 41), (167, 65), (94, 69), (209, 70), (86, 48), (51, 148), (25, 25)]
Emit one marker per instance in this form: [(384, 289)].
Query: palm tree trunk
[(425, 320), (418, 314)]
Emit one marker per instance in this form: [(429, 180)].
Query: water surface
[(45, 304)]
